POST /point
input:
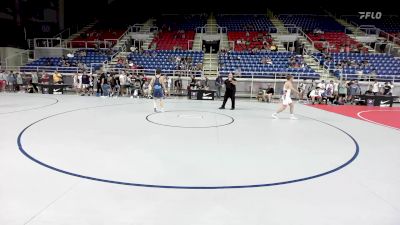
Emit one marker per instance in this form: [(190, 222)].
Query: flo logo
[(372, 15)]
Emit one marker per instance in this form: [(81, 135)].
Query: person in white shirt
[(123, 80), (375, 87), (321, 85), (34, 81), (391, 87), (316, 94), (329, 89), (76, 83), (335, 89)]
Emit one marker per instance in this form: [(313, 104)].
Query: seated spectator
[(316, 95), (57, 78), (269, 92), (263, 60), (273, 48), (387, 89), (369, 91)]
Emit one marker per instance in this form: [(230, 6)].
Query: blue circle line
[(22, 150)]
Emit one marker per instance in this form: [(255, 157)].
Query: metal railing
[(20, 58)]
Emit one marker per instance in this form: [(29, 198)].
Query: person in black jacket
[(230, 91)]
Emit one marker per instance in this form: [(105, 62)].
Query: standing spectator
[(354, 90), (322, 85), (302, 88), (45, 78), (218, 84), (91, 85), (104, 85), (342, 91), (11, 81), (146, 89), (375, 87), (178, 84), (35, 81), (99, 91), (76, 83), (168, 84), (85, 83), (391, 87), (329, 88), (19, 82), (192, 83), (117, 86), (230, 91), (123, 80), (3, 81), (206, 83)]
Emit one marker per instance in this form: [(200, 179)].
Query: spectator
[(123, 80), (44, 78), (192, 83), (35, 81), (316, 95), (375, 88), (168, 83), (387, 89), (76, 83), (85, 81), (57, 78), (104, 85), (19, 82), (146, 89), (321, 85), (369, 91), (3, 81), (302, 88), (218, 84), (263, 60), (342, 91), (354, 90), (206, 83), (178, 84), (268, 93), (11, 81)]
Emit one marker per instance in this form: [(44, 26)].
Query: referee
[(230, 91)]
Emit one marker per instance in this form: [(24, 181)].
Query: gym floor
[(85, 160)]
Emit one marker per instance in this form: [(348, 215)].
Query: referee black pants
[(231, 95)]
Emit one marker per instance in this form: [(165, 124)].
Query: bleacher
[(97, 34), (386, 66), (166, 40), (244, 22), (250, 65), (336, 40), (255, 39), (165, 59), (310, 22), (181, 22), (92, 59), (390, 24)]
